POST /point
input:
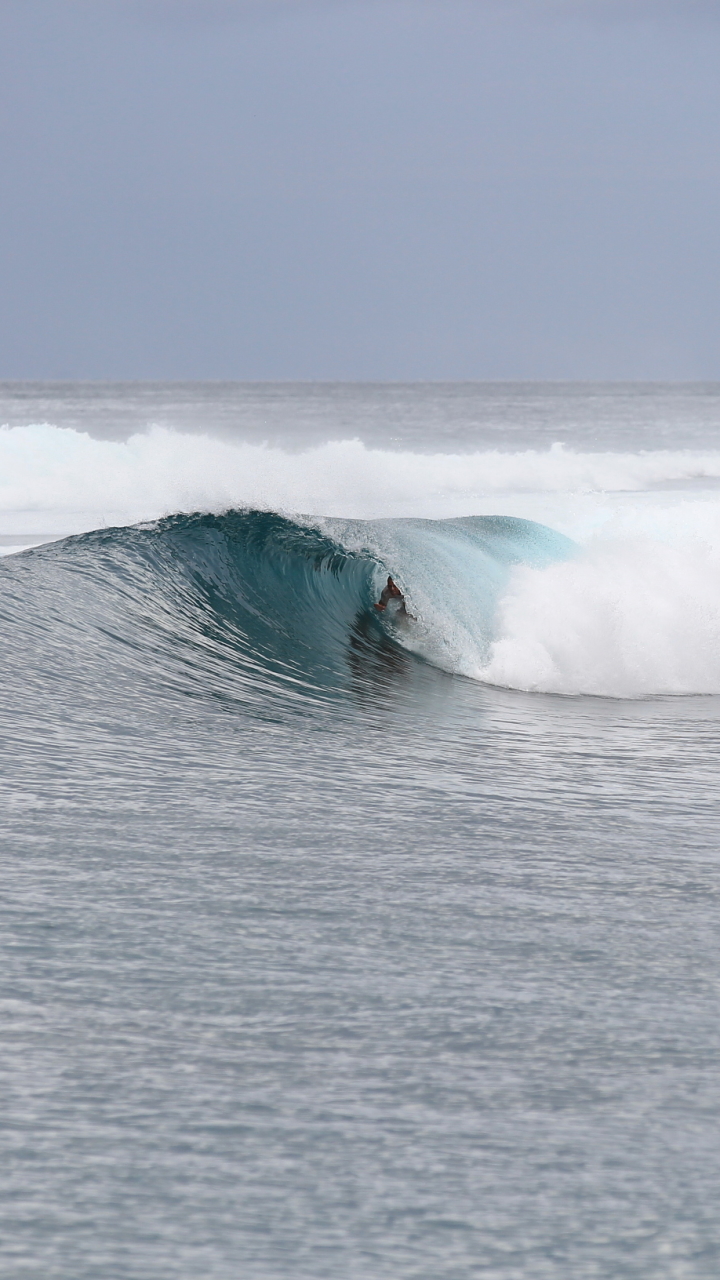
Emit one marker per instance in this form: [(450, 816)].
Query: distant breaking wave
[(55, 479)]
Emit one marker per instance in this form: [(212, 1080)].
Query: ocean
[(344, 943)]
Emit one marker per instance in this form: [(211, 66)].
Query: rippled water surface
[(339, 945)]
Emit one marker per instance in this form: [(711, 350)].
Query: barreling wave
[(279, 612), (257, 605)]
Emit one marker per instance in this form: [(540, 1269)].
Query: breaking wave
[(256, 605)]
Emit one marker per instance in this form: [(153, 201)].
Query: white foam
[(625, 618)]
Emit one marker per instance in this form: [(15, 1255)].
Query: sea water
[(349, 944)]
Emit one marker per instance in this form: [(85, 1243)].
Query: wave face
[(255, 602), (269, 609)]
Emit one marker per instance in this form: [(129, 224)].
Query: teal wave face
[(261, 606)]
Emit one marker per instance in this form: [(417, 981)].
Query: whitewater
[(349, 943)]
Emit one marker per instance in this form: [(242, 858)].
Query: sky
[(360, 189)]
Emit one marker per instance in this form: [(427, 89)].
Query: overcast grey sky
[(360, 189)]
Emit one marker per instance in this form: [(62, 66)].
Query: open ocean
[(337, 944)]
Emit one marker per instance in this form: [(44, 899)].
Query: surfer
[(391, 592)]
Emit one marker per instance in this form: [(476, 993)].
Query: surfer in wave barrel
[(392, 592)]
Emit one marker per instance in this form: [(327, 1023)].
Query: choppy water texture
[(345, 944)]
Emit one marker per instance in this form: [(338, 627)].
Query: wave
[(277, 611), (252, 604)]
